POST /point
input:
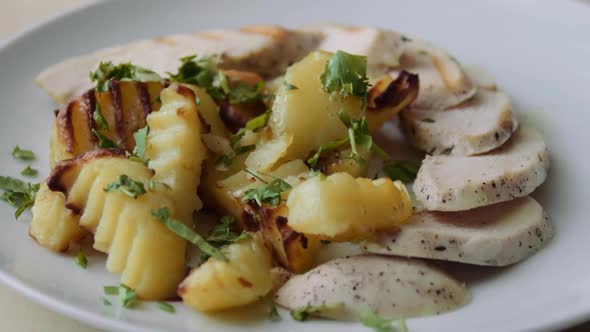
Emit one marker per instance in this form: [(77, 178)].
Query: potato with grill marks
[(124, 108), (294, 251), (122, 225)]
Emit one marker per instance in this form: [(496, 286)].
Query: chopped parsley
[(302, 314), (176, 226), (21, 154), (379, 324), (127, 296), (99, 119), (358, 135), (104, 142), (289, 86), (269, 192), (346, 74), (253, 124), (202, 72), (111, 290), (403, 170), (165, 306), (18, 193), (127, 186), (107, 72), (273, 313), (319, 174), (81, 260), (324, 148), (140, 137), (406, 38), (30, 172), (246, 93), (227, 159), (222, 234)]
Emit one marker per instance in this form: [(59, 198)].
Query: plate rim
[(97, 320)]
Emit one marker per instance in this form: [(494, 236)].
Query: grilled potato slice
[(226, 195), (388, 97), (122, 225), (304, 118), (339, 161), (294, 251), (53, 226), (124, 108), (242, 279), (343, 208), (175, 150)]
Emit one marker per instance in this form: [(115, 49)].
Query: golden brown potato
[(294, 251), (388, 97), (303, 118), (244, 278), (53, 226), (342, 208), (124, 108)]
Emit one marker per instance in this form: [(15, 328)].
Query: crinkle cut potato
[(272, 131)]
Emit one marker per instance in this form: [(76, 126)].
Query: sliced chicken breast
[(266, 50), (480, 77), (382, 47), (456, 183), (478, 125), (443, 82), (498, 235), (390, 286)]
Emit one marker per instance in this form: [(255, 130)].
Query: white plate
[(539, 53)]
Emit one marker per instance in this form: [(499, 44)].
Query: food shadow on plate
[(472, 274)]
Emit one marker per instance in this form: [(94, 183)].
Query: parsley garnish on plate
[(269, 192), (98, 118), (165, 306), (346, 74), (358, 135), (30, 172), (127, 296), (253, 125), (202, 72), (403, 170), (273, 313), (245, 93), (302, 314), (140, 137), (176, 226), (81, 260), (126, 185), (379, 324), (324, 148), (18, 193), (107, 72), (222, 234), (103, 141), (21, 154), (227, 159)]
